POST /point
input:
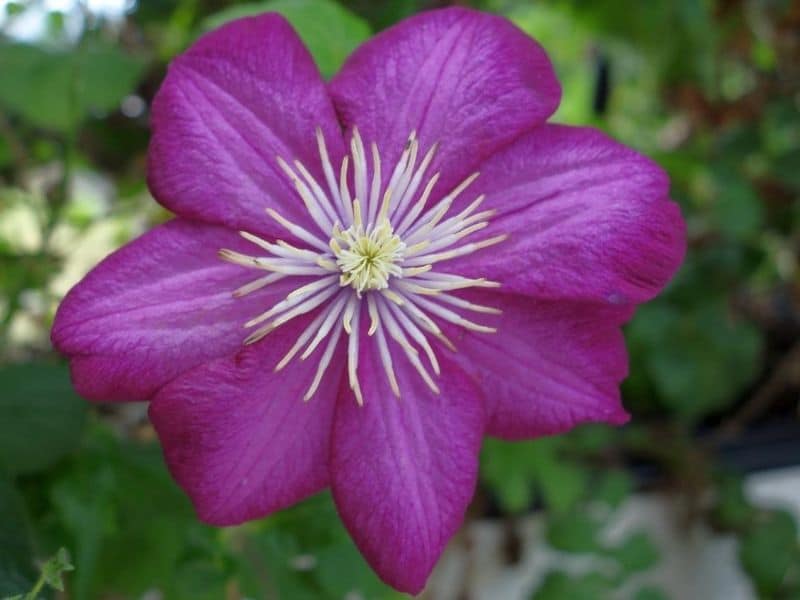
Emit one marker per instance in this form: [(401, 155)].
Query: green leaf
[(343, 573), (131, 526), (17, 572), (575, 532), (305, 553), (198, 579), (732, 510), (505, 468), (591, 438), (57, 90), (50, 574), (82, 502), (650, 593), (14, 9), (698, 358), (558, 585), (561, 483), (636, 553), (784, 167), (769, 549), (545, 22), (54, 568), (612, 488), (516, 471), (106, 75), (39, 85), (41, 417), (329, 31), (737, 210)]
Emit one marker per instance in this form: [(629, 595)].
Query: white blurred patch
[(32, 23)]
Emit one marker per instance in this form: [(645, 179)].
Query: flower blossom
[(365, 277)]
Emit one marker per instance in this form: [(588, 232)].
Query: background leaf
[(330, 32), (41, 417), (699, 358), (769, 549), (58, 89), (17, 572)]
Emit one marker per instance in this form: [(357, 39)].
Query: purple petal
[(238, 98), (403, 470), (588, 219), (469, 80), (550, 365), (238, 437), (155, 308)]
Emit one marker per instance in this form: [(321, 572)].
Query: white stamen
[(297, 309), (464, 218), (383, 347), (319, 193), (344, 191), (352, 349), (405, 177), (461, 303), (420, 204), (411, 353), (383, 245), (359, 164), (304, 337), (331, 317), (257, 284), (375, 190), (429, 259), (400, 167), (449, 315), (312, 204), (293, 299), (415, 333), (413, 186), (428, 221), (330, 177), (444, 241), (323, 364), (297, 230)]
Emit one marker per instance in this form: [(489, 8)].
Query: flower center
[(383, 254), (367, 258)]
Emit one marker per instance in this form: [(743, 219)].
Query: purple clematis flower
[(367, 276)]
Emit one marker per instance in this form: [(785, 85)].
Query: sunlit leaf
[(58, 89), (329, 31)]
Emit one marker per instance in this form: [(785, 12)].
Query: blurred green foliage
[(57, 89), (330, 32), (43, 417), (710, 88)]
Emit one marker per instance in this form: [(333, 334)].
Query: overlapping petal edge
[(592, 233)]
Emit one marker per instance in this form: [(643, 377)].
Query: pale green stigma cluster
[(367, 259)]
